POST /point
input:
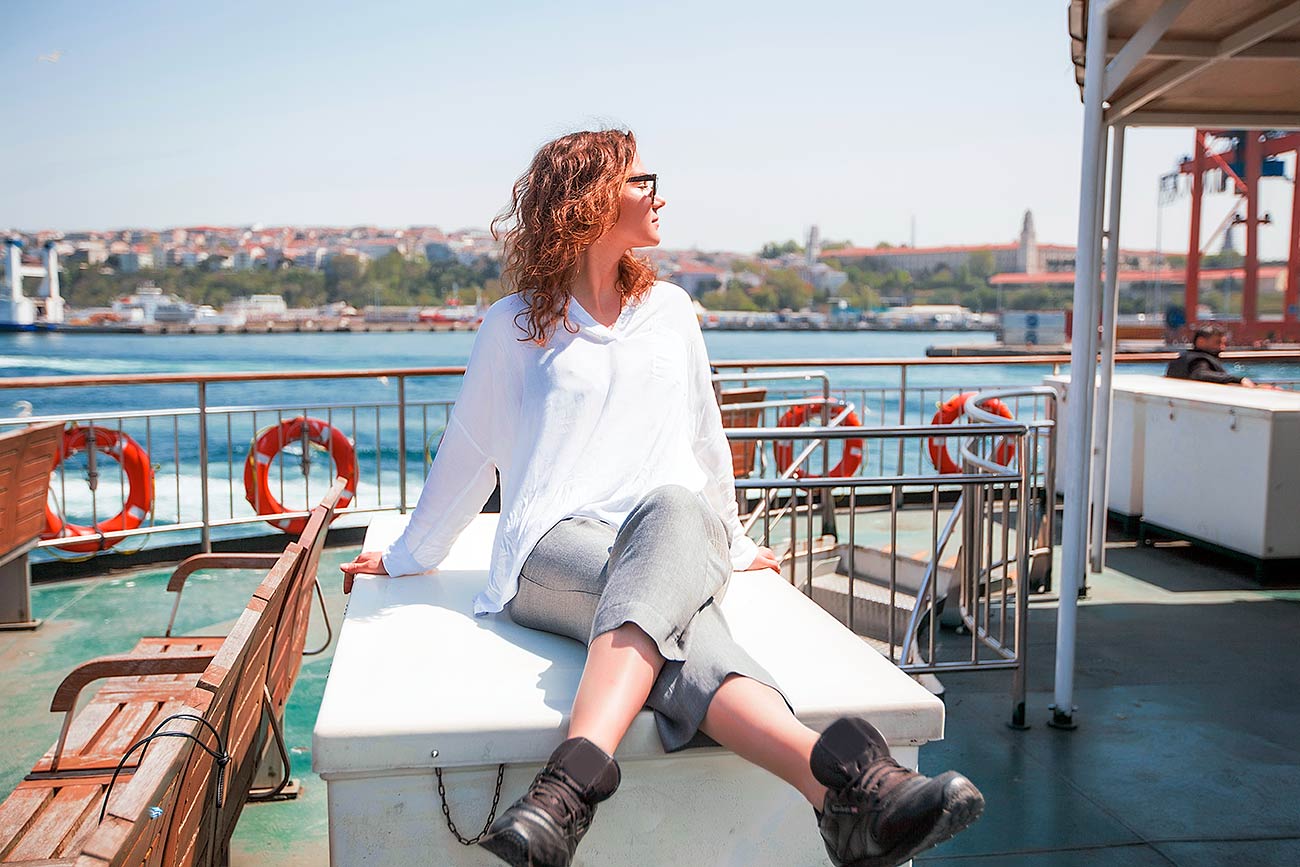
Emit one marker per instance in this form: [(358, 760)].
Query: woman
[(588, 391)]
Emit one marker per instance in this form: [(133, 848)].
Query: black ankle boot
[(878, 813), (542, 829)]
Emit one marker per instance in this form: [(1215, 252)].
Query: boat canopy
[(1197, 63), (1205, 63)]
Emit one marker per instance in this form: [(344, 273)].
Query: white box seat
[(1213, 463), (417, 682)]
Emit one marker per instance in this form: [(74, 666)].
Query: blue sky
[(761, 118)]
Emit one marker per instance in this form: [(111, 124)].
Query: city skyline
[(760, 122)]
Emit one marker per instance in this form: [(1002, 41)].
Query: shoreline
[(353, 327)]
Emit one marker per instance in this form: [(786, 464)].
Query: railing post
[(1105, 384), (401, 442), (206, 531), (1024, 540), (902, 412)]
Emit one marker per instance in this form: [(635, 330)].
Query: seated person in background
[(1202, 363)]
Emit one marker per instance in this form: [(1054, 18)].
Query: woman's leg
[(752, 720), (653, 588), (622, 665)]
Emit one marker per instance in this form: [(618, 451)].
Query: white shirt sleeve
[(474, 444), (712, 449)]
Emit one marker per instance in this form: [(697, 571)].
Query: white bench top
[(414, 671), (1265, 400)]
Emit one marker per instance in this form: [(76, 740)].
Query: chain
[(496, 798)]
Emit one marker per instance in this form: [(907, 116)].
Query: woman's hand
[(765, 559), (366, 563)]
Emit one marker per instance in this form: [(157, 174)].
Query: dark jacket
[(1202, 366)]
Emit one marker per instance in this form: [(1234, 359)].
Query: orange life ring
[(257, 466), (947, 414), (795, 417), (134, 461)]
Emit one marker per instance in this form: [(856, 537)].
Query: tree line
[(755, 285), (390, 280)]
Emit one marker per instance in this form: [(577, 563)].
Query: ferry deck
[(1185, 751)]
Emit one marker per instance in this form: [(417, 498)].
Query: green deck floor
[(1186, 751)]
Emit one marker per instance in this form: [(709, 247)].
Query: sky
[(760, 118)]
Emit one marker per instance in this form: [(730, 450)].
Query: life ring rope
[(797, 416), (133, 461), (270, 441), (948, 412)]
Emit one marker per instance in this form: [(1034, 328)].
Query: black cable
[(221, 757)]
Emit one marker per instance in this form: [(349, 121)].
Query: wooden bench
[(54, 818), (418, 683), (26, 458), (147, 684), (743, 452)]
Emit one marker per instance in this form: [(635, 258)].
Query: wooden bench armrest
[(199, 562), (125, 665), (122, 665), (190, 565)]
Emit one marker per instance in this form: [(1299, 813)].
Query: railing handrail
[(909, 431), (232, 376), (1259, 355)]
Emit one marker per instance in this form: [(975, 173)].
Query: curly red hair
[(566, 200)]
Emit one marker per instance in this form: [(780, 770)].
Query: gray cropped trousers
[(660, 570)]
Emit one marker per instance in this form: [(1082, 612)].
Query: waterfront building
[(1021, 256), (378, 248), (311, 256), (939, 317), (257, 307), (149, 304), (134, 260), (695, 277), (248, 257), (1272, 278)]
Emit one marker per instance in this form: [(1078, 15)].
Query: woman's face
[(638, 214)]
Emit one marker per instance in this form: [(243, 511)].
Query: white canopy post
[(1083, 364), (1109, 313)]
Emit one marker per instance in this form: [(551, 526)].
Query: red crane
[(1251, 155)]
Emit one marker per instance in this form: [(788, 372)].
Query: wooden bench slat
[(132, 722), (73, 843), (161, 690), (85, 727), (49, 833), (178, 644), (16, 814)]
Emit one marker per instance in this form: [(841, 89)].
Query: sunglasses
[(648, 184)]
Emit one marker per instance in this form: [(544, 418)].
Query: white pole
[(1109, 312), (14, 248), (1083, 363), (50, 286)]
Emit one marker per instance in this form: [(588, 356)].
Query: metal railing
[(197, 445), (883, 527), (198, 454)]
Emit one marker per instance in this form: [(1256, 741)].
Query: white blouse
[(585, 425)]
